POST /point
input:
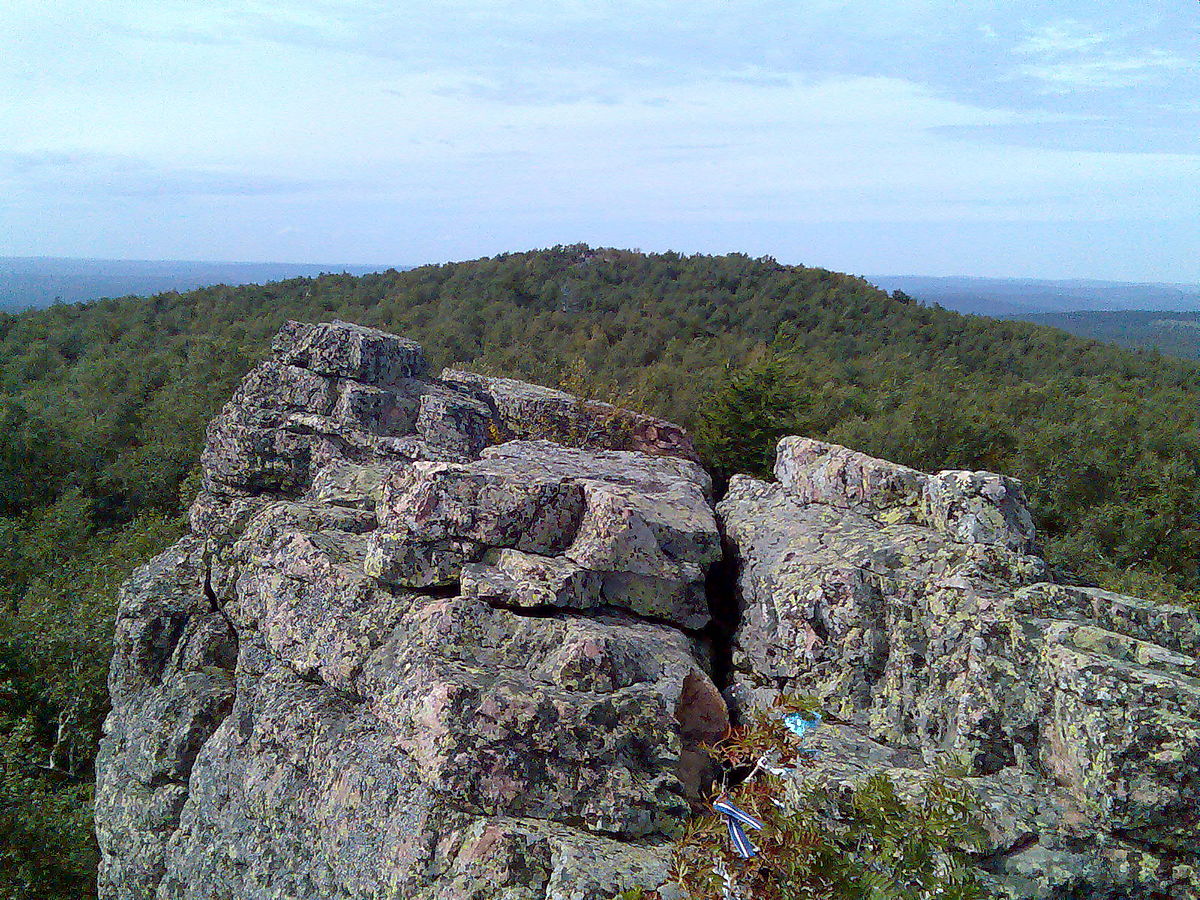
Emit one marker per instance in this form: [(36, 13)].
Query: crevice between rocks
[(1161, 851), (1021, 844), (718, 634), (720, 587), (439, 591), (550, 611), (214, 601)]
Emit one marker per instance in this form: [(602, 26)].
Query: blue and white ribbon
[(741, 843), (734, 820), (727, 809)]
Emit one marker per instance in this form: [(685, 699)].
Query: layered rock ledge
[(453, 637), (913, 608), (404, 655)]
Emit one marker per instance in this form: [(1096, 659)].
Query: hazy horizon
[(995, 140), (380, 266), (216, 262)]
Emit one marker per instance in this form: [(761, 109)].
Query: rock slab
[(912, 607)]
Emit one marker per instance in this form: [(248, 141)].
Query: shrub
[(869, 841)]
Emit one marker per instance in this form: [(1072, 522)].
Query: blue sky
[(900, 136)]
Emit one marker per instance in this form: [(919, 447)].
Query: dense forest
[(103, 406), (1172, 333)]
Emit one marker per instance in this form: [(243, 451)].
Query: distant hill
[(1167, 331), (110, 399), (1020, 298), (34, 282)]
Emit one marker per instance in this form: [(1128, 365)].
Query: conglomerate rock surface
[(912, 608), (465, 637), (403, 655)]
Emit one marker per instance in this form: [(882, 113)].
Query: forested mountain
[(103, 405), (1175, 333)]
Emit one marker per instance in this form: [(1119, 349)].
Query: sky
[(934, 137)]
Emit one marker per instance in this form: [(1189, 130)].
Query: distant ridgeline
[(36, 282), (1176, 333), (1020, 298), (1162, 317), (103, 408)]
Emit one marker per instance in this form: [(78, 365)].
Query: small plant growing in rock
[(861, 842)]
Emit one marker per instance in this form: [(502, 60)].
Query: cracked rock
[(381, 666), (450, 639), (912, 608)]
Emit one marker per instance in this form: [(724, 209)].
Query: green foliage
[(55, 640), (866, 842), (773, 395), (110, 398), (45, 822), (1112, 474), (755, 407)]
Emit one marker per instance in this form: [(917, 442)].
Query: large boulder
[(532, 524), (172, 684), (911, 608), (398, 657), (973, 507)]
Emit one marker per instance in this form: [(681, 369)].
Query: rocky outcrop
[(911, 607), (404, 655), (465, 637), (533, 411)]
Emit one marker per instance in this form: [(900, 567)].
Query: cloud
[(548, 89), (1061, 37), (1067, 56), (804, 150), (1109, 71), (41, 161), (1095, 133), (723, 149), (98, 174), (499, 122)]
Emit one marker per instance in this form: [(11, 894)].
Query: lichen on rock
[(911, 607), (396, 660)]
